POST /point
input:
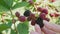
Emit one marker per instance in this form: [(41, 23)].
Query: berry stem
[(35, 7), (12, 19)]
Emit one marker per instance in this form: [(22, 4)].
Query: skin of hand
[(39, 30), (47, 31), (53, 27)]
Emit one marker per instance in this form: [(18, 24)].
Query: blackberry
[(45, 11), (47, 19), (39, 21), (32, 16), (52, 15), (42, 15), (33, 22), (56, 14), (22, 18), (17, 14), (39, 9), (27, 13), (31, 2)]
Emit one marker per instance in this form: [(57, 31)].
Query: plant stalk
[(12, 19)]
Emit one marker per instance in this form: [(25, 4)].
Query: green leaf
[(21, 4), (9, 23), (9, 3), (2, 9), (0, 32), (58, 21), (34, 0), (3, 27), (23, 28), (2, 2), (13, 32), (5, 5)]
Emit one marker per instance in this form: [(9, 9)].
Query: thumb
[(37, 28)]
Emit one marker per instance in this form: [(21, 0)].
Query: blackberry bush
[(18, 16)]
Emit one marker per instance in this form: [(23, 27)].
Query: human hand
[(37, 30)]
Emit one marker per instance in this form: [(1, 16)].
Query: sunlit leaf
[(9, 23), (22, 4), (3, 27), (23, 28), (34, 0)]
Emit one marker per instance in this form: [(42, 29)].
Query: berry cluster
[(43, 13), (34, 19), (30, 17)]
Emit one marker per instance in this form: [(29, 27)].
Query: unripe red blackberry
[(32, 16), (42, 15), (22, 18), (31, 2), (56, 14), (33, 22), (52, 0), (27, 13), (40, 9), (17, 14), (47, 19), (39, 21), (52, 15), (45, 11)]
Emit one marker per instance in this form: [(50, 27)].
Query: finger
[(33, 32), (37, 28), (47, 24), (47, 31), (53, 27)]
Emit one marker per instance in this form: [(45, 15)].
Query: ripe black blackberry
[(39, 21), (27, 13)]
